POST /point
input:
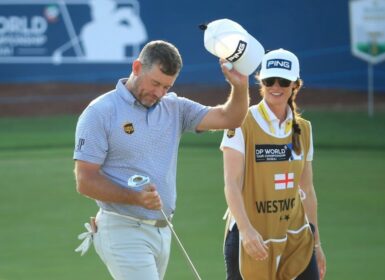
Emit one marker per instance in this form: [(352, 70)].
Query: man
[(135, 129)]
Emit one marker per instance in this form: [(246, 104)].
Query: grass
[(42, 214)]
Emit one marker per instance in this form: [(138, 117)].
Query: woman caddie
[(272, 230)]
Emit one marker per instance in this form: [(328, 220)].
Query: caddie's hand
[(253, 244), (321, 262), (233, 76), (149, 198)]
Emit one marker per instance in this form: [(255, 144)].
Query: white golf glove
[(87, 239)]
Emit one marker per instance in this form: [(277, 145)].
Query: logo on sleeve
[(80, 144), (272, 153), (128, 128), (230, 133)]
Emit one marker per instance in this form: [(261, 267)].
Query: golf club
[(181, 246), (136, 181)]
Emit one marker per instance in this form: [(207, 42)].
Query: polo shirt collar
[(124, 93), (128, 96)]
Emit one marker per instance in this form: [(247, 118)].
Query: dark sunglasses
[(281, 81)]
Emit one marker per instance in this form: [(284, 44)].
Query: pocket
[(98, 245)]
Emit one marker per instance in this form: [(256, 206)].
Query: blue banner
[(96, 40)]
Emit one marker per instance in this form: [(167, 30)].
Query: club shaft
[(181, 247)]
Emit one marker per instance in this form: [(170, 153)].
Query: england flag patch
[(284, 181)]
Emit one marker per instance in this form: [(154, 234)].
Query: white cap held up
[(228, 40)]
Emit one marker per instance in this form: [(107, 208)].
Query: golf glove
[(87, 239)]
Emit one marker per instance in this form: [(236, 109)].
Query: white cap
[(280, 63), (227, 39)]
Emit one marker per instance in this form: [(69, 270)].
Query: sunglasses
[(271, 81)]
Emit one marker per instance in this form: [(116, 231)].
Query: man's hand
[(149, 198), (235, 78)]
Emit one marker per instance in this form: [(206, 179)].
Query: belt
[(155, 223)]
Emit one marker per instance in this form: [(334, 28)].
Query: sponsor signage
[(367, 29), (81, 31)]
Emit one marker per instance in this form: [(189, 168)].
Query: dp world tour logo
[(238, 52), (71, 31), (278, 63)]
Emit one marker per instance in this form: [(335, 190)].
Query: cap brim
[(278, 73)]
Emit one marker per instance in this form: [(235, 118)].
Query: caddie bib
[(272, 202)]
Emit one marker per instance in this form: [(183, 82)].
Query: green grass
[(41, 212)]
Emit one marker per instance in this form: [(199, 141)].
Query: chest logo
[(128, 128), (272, 153)]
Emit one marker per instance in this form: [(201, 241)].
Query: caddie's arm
[(310, 204), (233, 165), (232, 113), (91, 183)]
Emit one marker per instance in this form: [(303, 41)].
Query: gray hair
[(162, 53)]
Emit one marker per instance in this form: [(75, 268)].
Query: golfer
[(267, 165), (136, 129)]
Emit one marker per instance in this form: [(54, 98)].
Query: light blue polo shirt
[(126, 138)]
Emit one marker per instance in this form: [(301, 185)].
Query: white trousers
[(132, 250)]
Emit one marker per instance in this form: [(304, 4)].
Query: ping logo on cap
[(238, 52), (278, 63)]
